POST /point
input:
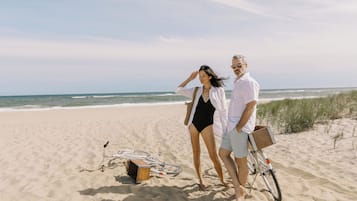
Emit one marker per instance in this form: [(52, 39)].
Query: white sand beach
[(43, 155)]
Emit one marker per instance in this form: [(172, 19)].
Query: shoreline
[(29, 108), (45, 102), (90, 107)]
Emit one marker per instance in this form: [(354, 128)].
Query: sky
[(114, 46)]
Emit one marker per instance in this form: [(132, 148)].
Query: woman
[(208, 117)]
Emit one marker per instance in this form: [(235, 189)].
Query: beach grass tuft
[(296, 115), (336, 138)]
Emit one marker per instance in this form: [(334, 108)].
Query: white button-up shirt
[(245, 90)]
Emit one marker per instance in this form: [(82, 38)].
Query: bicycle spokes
[(259, 164)]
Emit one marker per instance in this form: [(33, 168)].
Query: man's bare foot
[(242, 192), (237, 192)]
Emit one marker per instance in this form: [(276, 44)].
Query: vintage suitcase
[(262, 137), (138, 170)]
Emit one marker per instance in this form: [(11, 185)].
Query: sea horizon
[(164, 91), (80, 100)]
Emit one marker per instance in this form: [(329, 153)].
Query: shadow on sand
[(158, 193)]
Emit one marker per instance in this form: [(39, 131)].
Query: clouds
[(297, 8), (247, 6), (159, 42), (98, 49)]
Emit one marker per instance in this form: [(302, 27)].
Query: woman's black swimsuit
[(203, 115)]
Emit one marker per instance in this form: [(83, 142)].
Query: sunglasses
[(237, 66)]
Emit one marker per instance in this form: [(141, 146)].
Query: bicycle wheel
[(170, 169), (131, 154), (162, 168), (268, 175)]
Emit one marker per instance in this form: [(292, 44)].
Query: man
[(241, 121)]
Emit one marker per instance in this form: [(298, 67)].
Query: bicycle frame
[(260, 164), (156, 165)]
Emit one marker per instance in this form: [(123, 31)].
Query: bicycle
[(259, 164), (157, 166)]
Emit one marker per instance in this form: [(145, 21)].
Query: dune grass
[(296, 115)]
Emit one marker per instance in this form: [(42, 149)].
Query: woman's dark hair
[(215, 80)]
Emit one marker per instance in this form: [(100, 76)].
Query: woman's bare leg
[(208, 138), (196, 151)]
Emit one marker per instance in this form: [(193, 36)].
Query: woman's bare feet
[(202, 187), (224, 183)]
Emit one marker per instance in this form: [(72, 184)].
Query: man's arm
[(248, 111)]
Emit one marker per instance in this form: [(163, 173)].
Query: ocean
[(40, 102)]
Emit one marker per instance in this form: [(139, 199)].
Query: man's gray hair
[(241, 57)]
